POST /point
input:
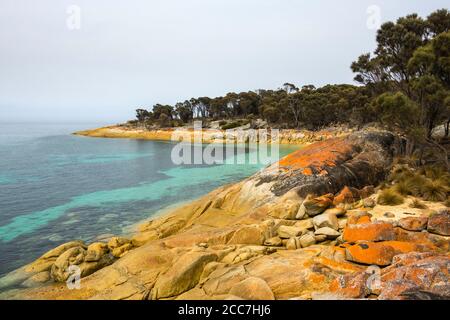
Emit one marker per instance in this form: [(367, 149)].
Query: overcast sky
[(135, 53)]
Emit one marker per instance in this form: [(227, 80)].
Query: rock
[(273, 242), (389, 215), (183, 275), (369, 202), (37, 279), (285, 210), (301, 213), (326, 220), (375, 231), (304, 224), (95, 251), (122, 250), (416, 276), (413, 223), (253, 288), (244, 253), (315, 206), (222, 280), (342, 223), (287, 232), (320, 237), (380, 253), (307, 240), (60, 269), (351, 286), (293, 243), (338, 212), (358, 216), (116, 242), (439, 223), (56, 252), (328, 232), (346, 195), (249, 234)]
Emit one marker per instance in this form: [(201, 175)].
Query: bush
[(417, 204), (434, 190), (405, 187), (234, 124), (390, 197)]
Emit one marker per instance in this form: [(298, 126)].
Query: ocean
[(56, 187)]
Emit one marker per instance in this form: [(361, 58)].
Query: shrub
[(417, 204), (434, 190), (400, 172), (390, 197), (405, 187), (415, 183), (435, 172)]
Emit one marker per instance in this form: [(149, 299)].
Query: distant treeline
[(404, 85)]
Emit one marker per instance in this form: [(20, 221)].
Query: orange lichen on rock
[(381, 253), (359, 217), (346, 195), (317, 156), (376, 231), (351, 286)]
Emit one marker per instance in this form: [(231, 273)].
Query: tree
[(142, 115), (396, 111)]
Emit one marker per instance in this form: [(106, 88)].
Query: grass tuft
[(434, 190), (417, 204), (390, 197)]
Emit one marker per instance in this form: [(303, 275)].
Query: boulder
[(116, 242), (293, 243), (413, 223), (338, 212), (249, 234), (60, 270), (273, 242), (304, 224), (95, 251), (183, 275), (358, 216), (326, 220), (346, 196), (374, 231), (307, 240), (380, 253), (315, 206), (285, 210), (252, 288), (439, 223), (328, 232), (301, 213), (287, 232)]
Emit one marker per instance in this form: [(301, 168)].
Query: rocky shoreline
[(286, 136), (308, 227)]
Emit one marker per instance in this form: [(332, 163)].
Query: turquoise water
[(56, 187)]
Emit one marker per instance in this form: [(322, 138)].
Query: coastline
[(265, 232), (286, 136)]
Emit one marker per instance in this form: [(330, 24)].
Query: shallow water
[(56, 187)]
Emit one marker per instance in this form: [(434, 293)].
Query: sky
[(99, 60)]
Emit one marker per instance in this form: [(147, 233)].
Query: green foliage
[(396, 110), (390, 197)]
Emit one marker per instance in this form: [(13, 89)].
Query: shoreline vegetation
[(361, 212)]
